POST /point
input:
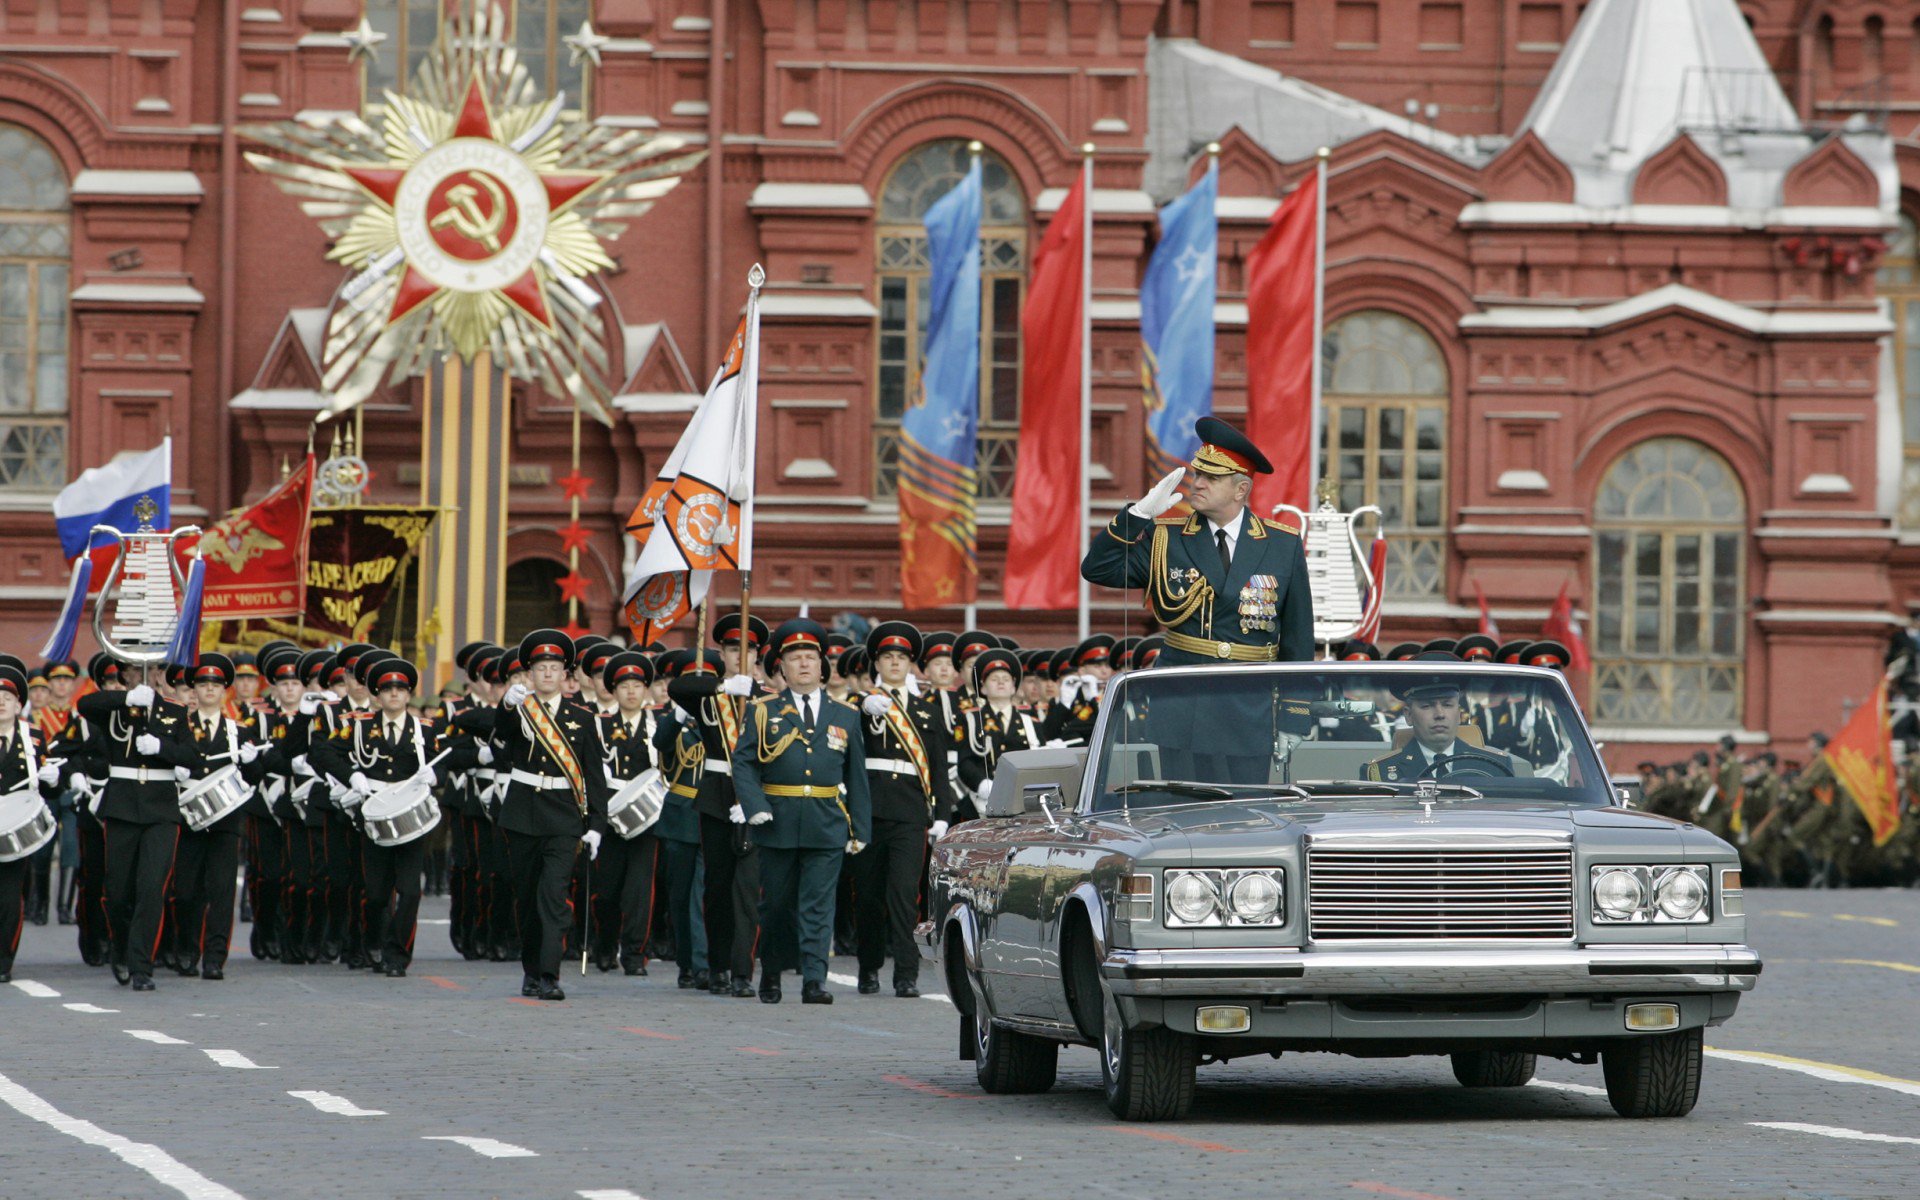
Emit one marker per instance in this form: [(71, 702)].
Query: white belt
[(720, 766), (142, 774), (544, 783), (898, 766)]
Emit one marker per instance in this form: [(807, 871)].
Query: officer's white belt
[(720, 766), (544, 783), (142, 774), (897, 766)]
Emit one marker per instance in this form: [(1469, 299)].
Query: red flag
[(1043, 542), (1280, 352), (1862, 760), (1563, 627), (257, 558), (1488, 625)]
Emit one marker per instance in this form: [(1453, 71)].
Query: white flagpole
[(1086, 373), (1319, 324)]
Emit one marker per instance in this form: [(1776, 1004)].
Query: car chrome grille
[(1427, 894)]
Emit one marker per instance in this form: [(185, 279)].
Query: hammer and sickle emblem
[(463, 212)]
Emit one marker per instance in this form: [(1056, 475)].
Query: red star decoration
[(575, 485), (574, 536), (573, 586), (575, 630)]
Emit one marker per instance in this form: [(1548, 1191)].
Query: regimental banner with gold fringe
[(1862, 760), (257, 558), (354, 559)]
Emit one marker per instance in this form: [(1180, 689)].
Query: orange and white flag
[(697, 518)]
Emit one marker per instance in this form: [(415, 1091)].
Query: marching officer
[(797, 752), (906, 758), (623, 876), (209, 858), (1224, 583), (556, 801), (996, 727)]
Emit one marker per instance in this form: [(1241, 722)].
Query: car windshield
[(1301, 733)]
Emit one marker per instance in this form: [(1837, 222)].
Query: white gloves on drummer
[(591, 840), (427, 776), (516, 696), (936, 831), (301, 766), (877, 704), (50, 774), (360, 783), (738, 685), (1164, 495), (182, 775), (139, 696), (146, 743), (250, 751)]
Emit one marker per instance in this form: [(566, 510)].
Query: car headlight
[(1254, 898), (1222, 898), (1191, 899), (1657, 894)]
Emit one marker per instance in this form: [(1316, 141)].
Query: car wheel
[(1007, 1062), (1654, 1076), (1147, 1073), (1492, 1068)]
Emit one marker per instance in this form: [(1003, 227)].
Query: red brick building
[(1629, 300)]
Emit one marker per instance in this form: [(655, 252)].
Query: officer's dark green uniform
[(1411, 761), (788, 773)]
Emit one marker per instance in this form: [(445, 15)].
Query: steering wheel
[(1455, 764)]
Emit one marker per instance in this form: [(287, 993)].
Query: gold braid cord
[(768, 754), (1172, 609)]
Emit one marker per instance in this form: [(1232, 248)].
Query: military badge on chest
[(1259, 604), (836, 738)]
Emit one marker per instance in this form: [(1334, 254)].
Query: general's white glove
[(738, 685), (1163, 496), (737, 815), (591, 840), (181, 775), (760, 818), (139, 696), (310, 704), (50, 774), (360, 783), (855, 846), (516, 696), (936, 831), (485, 755), (877, 704), (250, 751), (427, 776), (300, 766), (146, 743)]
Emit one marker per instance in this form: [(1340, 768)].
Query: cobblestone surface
[(635, 1087)]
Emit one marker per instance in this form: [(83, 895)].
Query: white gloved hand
[(146, 743), (50, 774), (139, 696), (737, 815), (591, 840), (300, 765), (760, 818), (738, 685), (1283, 744), (310, 703), (360, 783), (913, 686), (854, 846), (877, 704), (484, 754), (516, 696), (1091, 686), (1162, 497), (983, 791), (182, 775), (427, 776), (681, 715), (330, 696), (936, 831), (250, 751)]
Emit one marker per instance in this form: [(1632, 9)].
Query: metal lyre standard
[(1338, 575), (146, 615)]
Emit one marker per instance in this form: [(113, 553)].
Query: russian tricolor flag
[(107, 495)]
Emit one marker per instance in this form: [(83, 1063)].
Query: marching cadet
[(1224, 584), (209, 859), (682, 757), (386, 746), (798, 750), (623, 876), (906, 756), (556, 802), (1434, 711), (78, 746), (51, 716), (937, 670), (969, 646), (138, 739), (731, 893), (993, 729), (24, 764), (1070, 723), (285, 731), (502, 923), (307, 825), (467, 725)]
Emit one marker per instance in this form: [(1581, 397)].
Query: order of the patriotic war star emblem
[(471, 220)]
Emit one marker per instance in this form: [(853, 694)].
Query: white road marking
[(487, 1146), (156, 1037), (340, 1106), (1831, 1072), (1580, 1089), (157, 1163), (39, 990), (236, 1060), (853, 981), (610, 1194), (88, 1008), (1835, 1131)]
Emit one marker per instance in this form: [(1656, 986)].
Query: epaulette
[(1281, 526), (764, 699), (1173, 520), (843, 704), (361, 716)]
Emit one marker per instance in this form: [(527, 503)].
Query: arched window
[(1384, 387), (533, 595), (1899, 283), (903, 283), (1669, 583), (35, 262), (539, 30)]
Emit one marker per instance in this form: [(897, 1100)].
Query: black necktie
[(1226, 555), (806, 711)]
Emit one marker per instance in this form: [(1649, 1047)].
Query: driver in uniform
[(1435, 712)]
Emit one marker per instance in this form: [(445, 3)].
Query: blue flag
[(938, 483), (1176, 323)]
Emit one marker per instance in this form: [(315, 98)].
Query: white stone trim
[(1245, 208), (1834, 616), (850, 196), (170, 184), (657, 402), (1122, 201), (139, 293), (1522, 481), (801, 304), (1689, 216), (280, 399), (1521, 319)]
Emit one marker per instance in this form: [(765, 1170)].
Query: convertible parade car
[(1366, 858)]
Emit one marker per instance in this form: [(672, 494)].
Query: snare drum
[(400, 812), (26, 824), (218, 795), (636, 806)]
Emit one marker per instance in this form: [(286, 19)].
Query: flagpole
[(1315, 433), (749, 422), (1086, 373)]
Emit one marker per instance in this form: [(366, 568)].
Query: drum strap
[(25, 734)]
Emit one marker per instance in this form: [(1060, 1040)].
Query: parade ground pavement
[(317, 1081)]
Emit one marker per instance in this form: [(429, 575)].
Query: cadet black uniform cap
[(1355, 650), (727, 629), (996, 660), (213, 667), (465, 654), (1546, 654), (546, 645), (628, 664), (1510, 652), (14, 680), (1404, 651), (972, 642), (1096, 649), (903, 636), (1148, 652), (393, 672), (1477, 647), (935, 645)]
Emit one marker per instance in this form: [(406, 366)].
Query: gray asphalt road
[(320, 1082)]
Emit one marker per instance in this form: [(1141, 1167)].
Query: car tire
[(1147, 1073), (1657, 1075), (1007, 1062), (1492, 1068)]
